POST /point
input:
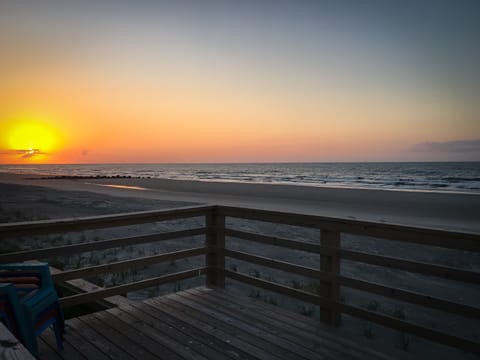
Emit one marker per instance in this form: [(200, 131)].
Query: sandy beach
[(453, 211)]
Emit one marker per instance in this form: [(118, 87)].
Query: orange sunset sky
[(213, 81)]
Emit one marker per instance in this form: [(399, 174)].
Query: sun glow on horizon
[(29, 139)]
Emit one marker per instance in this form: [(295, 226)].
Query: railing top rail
[(421, 235), (46, 252), (102, 221)]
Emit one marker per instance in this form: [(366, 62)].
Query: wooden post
[(215, 242), (330, 263)]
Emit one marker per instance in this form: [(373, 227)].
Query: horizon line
[(244, 162)]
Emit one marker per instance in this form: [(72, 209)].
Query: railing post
[(330, 263), (215, 242)]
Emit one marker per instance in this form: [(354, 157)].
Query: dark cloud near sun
[(23, 153), (459, 146)]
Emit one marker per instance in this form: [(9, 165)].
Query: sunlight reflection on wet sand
[(120, 186)]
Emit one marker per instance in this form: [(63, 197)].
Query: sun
[(29, 139), (32, 135)]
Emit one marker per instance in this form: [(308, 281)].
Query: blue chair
[(30, 303)]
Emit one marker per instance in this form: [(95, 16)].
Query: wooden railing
[(108, 221), (215, 231)]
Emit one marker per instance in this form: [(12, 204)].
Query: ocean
[(426, 176)]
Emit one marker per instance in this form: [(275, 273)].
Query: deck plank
[(115, 318), (68, 352), (10, 347), (95, 337), (285, 347), (315, 345), (196, 349), (202, 324), (207, 326), (140, 325), (262, 350), (308, 327), (45, 351), (199, 345), (311, 336), (166, 317), (122, 341), (80, 344)]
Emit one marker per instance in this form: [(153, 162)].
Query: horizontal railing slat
[(127, 264), (122, 289), (425, 236), (272, 240), (434, 335), (412, 266), (96, 245), (401, 264), (398, 294), (98, 222)]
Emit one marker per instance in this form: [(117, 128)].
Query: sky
[(239, 81)]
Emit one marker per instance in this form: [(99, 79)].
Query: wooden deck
[(202, 324), (212, 325)]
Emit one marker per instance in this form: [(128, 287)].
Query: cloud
[(459, 146), (23, 153)]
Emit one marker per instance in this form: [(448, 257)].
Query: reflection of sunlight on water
[(120, 186)]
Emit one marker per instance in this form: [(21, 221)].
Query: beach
[(443, 210)]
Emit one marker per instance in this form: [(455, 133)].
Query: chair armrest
[(24, 266), (9, 289), (41, 296), (42, 268)]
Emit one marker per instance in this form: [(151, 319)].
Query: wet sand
[(453, 211)]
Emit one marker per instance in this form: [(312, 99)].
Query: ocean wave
[(463, 177)]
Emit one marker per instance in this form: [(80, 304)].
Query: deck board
[(202, 324), (10, 347), (310, 345), (211, 327), (252, 333), (305, 327), (138, 332), (165, 346), (68, 352), (304, 330), (198, 345), (223, 348), (172, 338), (119, 339), (233, 330)]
